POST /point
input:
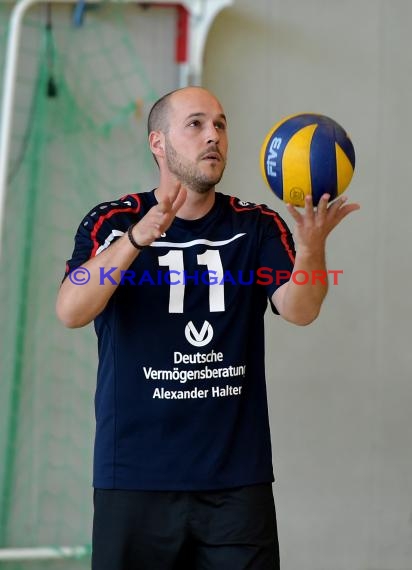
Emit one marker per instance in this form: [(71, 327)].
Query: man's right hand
[(159, 218)]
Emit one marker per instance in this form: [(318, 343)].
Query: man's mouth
[(214, 156)]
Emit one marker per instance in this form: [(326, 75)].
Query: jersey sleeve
[(277, 252), (103, 225)]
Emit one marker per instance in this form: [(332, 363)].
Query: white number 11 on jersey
[(211, 258)]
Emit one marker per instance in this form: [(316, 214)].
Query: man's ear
[(157, 143)]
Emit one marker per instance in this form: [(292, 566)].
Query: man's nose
[(212, 135)]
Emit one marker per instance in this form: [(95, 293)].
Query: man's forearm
[(78, 304), (300, 299), (297, 302)]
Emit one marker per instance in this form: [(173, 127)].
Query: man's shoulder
[(127, 203), (247, 207)]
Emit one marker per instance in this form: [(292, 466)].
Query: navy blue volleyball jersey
[(181, 398)]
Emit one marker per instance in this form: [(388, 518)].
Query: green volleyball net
[(84, 88)]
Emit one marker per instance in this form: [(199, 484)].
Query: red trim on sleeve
[(108, 215), (278, 222)]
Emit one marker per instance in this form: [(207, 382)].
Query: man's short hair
[(158, 117)]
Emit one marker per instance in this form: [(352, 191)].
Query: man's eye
[(194, 124), (221, 126)]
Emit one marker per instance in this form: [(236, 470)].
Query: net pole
[(10, 73), (11, 64)]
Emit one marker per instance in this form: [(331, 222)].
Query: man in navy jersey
[(177, 281)]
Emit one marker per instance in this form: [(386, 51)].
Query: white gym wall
[(341, 389)]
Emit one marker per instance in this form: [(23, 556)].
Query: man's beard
[(187, 172)]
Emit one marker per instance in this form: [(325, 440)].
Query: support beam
[(44, 553)]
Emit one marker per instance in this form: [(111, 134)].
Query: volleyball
[(307, 154)]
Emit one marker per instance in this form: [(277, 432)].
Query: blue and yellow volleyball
[(307, 154)]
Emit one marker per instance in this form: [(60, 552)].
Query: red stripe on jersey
[(278, 222), (108, 215)]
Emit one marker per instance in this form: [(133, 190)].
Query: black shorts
[(233, 529)]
